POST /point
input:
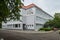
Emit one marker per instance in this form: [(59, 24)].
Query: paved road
[(10, 35)]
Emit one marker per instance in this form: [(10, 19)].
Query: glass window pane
[(19, 25), (16, 25)]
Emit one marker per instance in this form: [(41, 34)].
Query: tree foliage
[(53, 23), (9, 9)]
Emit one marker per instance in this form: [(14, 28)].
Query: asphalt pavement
[(12, 35)]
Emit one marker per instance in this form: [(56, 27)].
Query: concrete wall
[(43, 14), (28, 18), (40, 18)]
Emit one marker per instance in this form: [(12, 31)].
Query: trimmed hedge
[(45, 29)]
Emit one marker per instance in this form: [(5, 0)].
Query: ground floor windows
[(32, 25), (9, 25), (19, 25), (29, 25), (14, 25)]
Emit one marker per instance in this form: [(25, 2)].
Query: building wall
[(42, 14), (40, 18), (28, 18)]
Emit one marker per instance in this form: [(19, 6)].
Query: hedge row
[(45, 29)]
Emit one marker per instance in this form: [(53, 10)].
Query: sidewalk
[(30, 31), (21, 31)]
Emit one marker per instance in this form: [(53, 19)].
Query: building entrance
[(24, 26)]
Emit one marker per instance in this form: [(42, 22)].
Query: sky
[(49, 6)]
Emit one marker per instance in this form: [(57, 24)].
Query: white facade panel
[(30, 19), (42, 14)]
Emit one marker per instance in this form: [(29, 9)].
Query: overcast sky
[(50, 6)]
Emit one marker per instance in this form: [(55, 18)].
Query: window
[(28, 25), (19, 25), (29, 12), (13, 25), (9, 25), (16, 25), (32, 25)]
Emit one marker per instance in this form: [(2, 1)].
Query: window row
[(14, 25), (29, 25), (43, 14)]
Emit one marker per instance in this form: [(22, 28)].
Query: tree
[(49, 23), (53, 23), (57, 21), (9, 10)]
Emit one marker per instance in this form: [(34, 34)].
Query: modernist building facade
[(32, 18)]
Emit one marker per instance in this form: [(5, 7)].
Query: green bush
[(45, 29), (41, 28), (48, 29)]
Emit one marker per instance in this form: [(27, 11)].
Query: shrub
[(42, 29), (48, 29), (45, 29)]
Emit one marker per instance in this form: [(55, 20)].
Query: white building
[(32, 18)]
